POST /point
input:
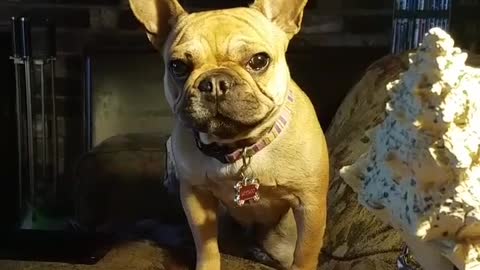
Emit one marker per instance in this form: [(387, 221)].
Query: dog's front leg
[(310, 216), (201, 210)]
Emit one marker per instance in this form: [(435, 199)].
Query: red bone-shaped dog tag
[(246, 191)]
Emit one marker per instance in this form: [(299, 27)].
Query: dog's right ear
[(157, 16)]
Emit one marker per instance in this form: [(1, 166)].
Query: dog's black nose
[(218, 82)]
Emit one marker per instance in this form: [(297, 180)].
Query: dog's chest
[(273, 203)]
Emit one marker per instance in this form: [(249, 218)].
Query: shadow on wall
[(327, 74), (128, 96)]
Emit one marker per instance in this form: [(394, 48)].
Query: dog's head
[(226, 70)]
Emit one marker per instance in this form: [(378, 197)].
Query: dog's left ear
[(286, 14)]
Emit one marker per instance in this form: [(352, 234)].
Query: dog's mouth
[(226, 116), (216, 122)]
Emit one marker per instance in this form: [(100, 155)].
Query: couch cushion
[(121, 181), (136, 255), (122, 177), (355, 238)]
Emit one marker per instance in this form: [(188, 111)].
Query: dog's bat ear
[(286, 14), (157, 16)]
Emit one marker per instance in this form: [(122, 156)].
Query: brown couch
[(120, 181)]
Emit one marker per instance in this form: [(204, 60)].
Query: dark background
[(338, 41)]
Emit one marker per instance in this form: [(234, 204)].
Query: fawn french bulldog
[(246, 137)]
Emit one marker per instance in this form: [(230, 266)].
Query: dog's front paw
[(210, 263), (304, 267), (207, 267)]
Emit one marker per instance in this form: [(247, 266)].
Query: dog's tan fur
[(293, 169)]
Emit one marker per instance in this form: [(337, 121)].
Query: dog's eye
[(258, 62), (179, 68)]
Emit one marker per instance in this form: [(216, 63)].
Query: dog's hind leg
[(279, 241)]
